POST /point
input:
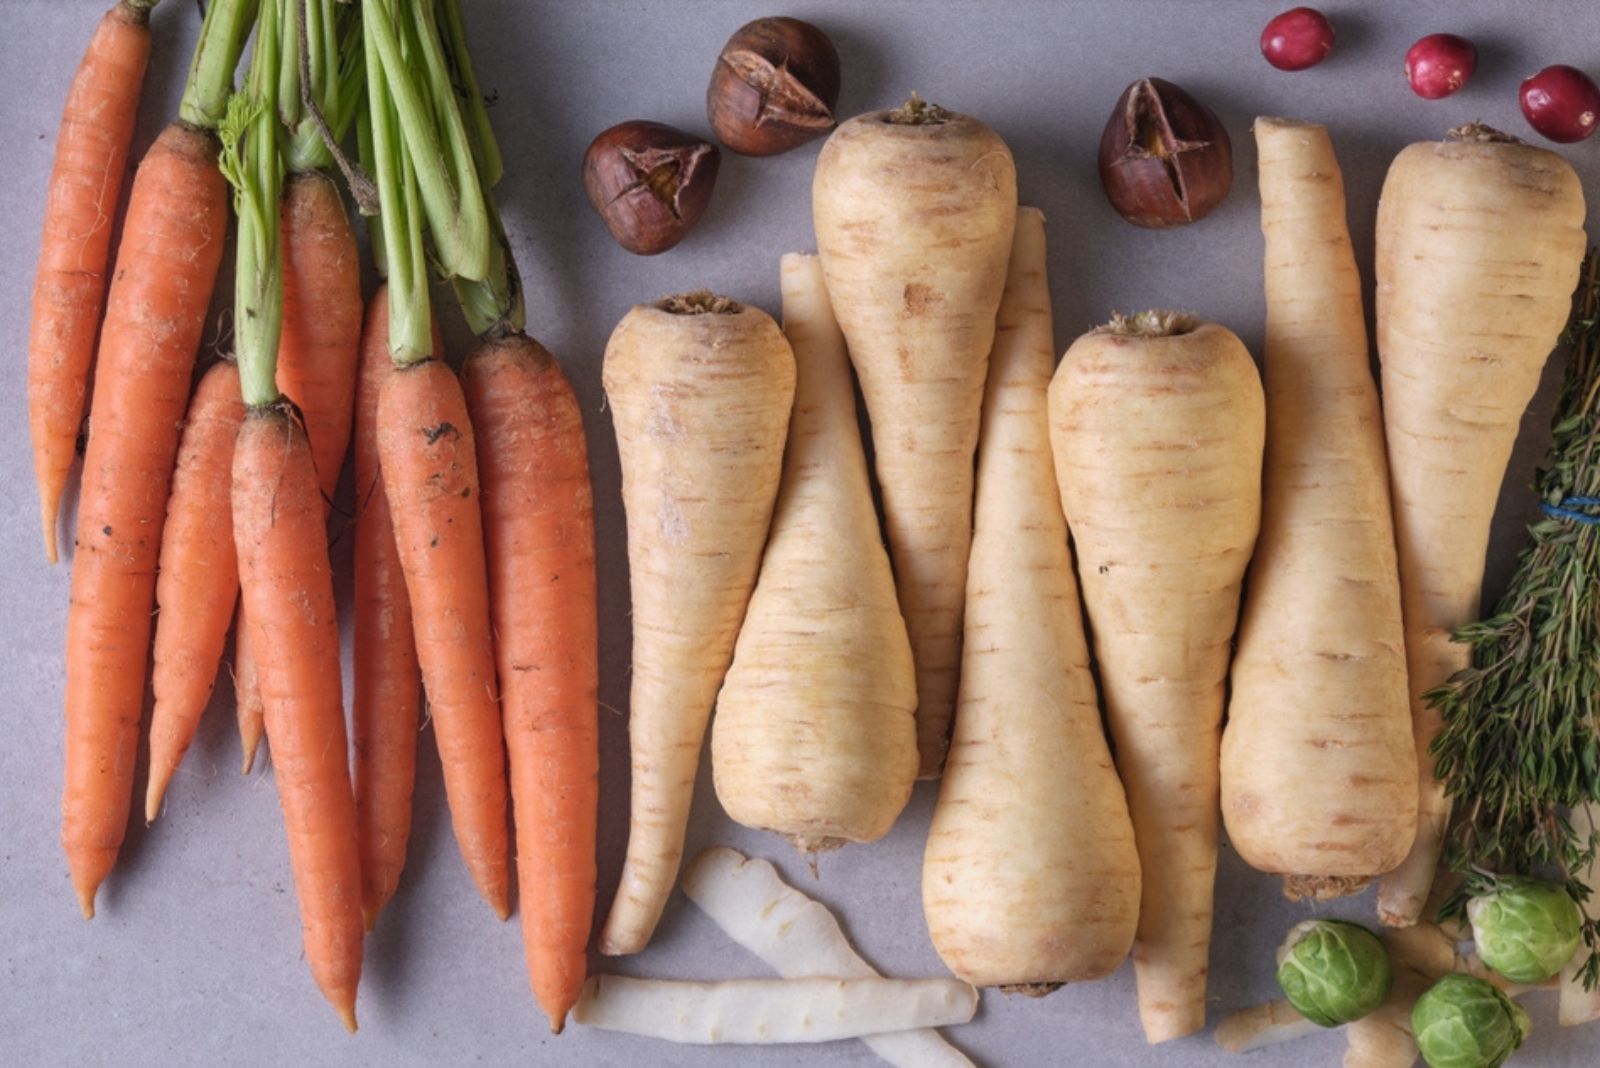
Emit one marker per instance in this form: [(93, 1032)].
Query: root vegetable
[(1269, 1024), (914, 210), (1157, 427), (814, 736), (1480, 241), (1319, 775), (771, 1011), (1581, 1005), (700, 389), (799, 938), (1031, 877)]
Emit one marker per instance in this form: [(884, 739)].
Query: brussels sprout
[(1525, 929), (1463, 1022), (1333, 972)]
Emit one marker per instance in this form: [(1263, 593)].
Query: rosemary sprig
[(1520, 747)]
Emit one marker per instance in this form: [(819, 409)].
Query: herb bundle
[(1520, 747)]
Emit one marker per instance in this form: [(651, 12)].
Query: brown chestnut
[(1165, 158), (650, 183), (774, 87)]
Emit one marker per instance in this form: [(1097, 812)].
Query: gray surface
[(195, 956)]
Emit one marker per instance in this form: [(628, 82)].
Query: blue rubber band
[(1564, 510)]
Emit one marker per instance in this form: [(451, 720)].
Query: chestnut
[(774, 87), (1165, 158), (650, 183)]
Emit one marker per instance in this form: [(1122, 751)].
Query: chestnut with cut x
[(1165, 158), (650, 183), (774, 87)]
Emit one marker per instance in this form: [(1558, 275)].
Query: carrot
[(1031, 877), (700, 389), (70, 285), (248, 709), (388, 686), (1480, 243), (1319, 777), (1157, 426), (915, 270), (321, 284), (430, 473), (538, 520), (286, 581), (287, 589), (155, 315), (318, 355), (198, 582), (426, 448), (814, 736)]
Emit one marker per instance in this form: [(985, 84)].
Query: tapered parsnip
[(814, 736), (700, 389), (1157, 426), (914, 209), (799, 938), (1031, 877), (1319, 776), (1480, 240), (1267, 1024), (771, 1011), (1580, 1006)]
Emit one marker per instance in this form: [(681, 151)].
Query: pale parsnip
[(700, 389), (798, 938), (1319, 773), (914, 209), (1270, 1023), (1031, 876), (1480, 241), (1157, 426), (814, 736), (770, 1011)]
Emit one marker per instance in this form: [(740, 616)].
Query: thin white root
[(1267, 1024), (771, 1011), (798, 938)]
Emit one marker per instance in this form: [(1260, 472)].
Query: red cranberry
[(1562, 103), (1297, 39), (1439, 64)]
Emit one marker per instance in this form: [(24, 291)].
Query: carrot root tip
[(347, 1014), (86, 903)]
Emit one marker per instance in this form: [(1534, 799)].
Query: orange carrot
[(538, 520), (166, 266), (85, 184), (387, 682), (198, 582), (287, 590), (247, 707), (430, 472), (321, 317)]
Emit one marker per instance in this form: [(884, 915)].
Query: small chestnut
[(1165, 158), (649, 182), (774, 87)]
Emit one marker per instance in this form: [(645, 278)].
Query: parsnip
[(1031, 877), (1270, 1023), (771, 1011), (799, 938), (1319, 773), (814, 736), (1578, 1005), (1480, 241), (914, 209), (700, 389), (1157, 427)]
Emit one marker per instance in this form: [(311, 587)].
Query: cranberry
[(1297, 39), (1439, 64), (1562, 103)]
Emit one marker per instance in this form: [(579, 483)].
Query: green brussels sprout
[(1525, 929), (1333, 972), (1464, 1022)]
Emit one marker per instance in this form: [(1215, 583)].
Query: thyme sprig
[(1520, 746)]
